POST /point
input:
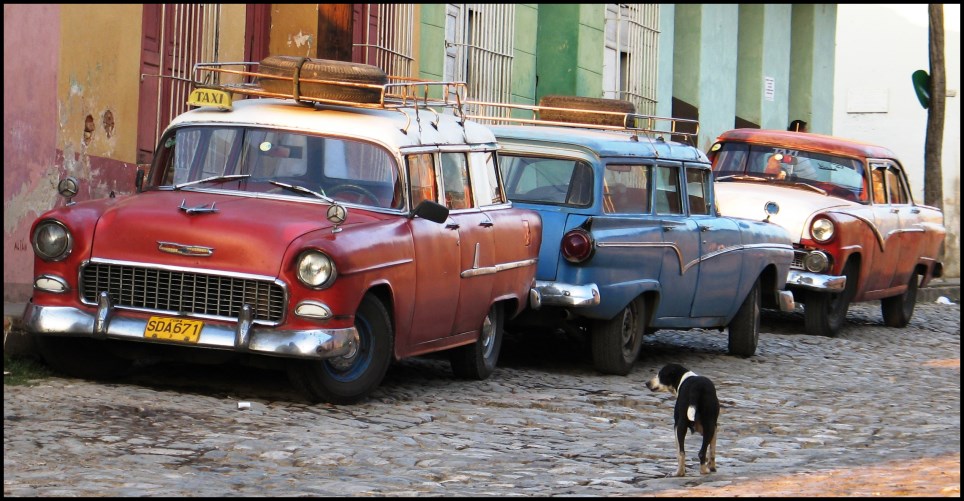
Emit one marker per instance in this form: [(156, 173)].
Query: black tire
[(616, 342), (478, 360), (323, 69), (897, 310), (825, 313), (82, 357), (744, 328), (351, 378), (585, 103)]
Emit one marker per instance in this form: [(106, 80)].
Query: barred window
[(478, 51), (388, 37), (631, 54)]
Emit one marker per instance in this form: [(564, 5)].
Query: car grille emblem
[(184, 250)]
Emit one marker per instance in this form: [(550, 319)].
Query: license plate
[(173, 329), (210, 97)]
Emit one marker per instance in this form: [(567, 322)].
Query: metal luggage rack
[(633, 123), (400, 92)]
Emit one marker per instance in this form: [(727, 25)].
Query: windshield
[(278, 162), (833, 175)]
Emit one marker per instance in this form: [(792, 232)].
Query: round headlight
[(51, 240), (822, 230), (315, 269), (816, 261)]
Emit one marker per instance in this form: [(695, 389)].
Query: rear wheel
[(352, 377), (82, 357), (744, 329), (478, 360), (897, 310), (616, 342), (824, 312)]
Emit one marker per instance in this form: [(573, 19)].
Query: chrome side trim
[(560, 294), (316, 344), (816, 281), (488, 270)]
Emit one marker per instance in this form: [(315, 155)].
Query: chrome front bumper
[(108, 323), (559, 294), (816, 281)]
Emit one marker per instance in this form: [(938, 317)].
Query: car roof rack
[(399, 92), (634, 123)]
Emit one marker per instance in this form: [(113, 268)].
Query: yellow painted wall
[(99, 71), (294, 30)]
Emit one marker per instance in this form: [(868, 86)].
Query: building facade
[(82, 95)]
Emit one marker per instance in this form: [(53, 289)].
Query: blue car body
[(650, 238)]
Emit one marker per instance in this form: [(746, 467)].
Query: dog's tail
[(691, 412)]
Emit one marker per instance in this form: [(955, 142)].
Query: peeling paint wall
[(294, 30)]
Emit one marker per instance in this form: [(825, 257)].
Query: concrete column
[(705, 67), (763, 69), (813, 42)]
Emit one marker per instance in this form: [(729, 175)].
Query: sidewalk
[(15, 342)]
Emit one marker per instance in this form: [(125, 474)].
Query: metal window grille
[(194, 30), (479, 46), (632, 54), (392, 45)]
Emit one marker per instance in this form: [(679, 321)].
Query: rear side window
[(697, 191), (421, 178), (553, 181), (667, 191), (455, 180), (626, 189), (486, 179)]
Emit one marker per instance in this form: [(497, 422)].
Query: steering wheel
[(360, 194)]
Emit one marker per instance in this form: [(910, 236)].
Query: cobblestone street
[(875, 411)]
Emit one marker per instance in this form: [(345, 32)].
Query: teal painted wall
[(812, 65), (764, 42), (523, 88), (431, 43), (664, 77)]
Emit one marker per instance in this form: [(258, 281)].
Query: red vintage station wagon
[(858, 234), (336, 228)]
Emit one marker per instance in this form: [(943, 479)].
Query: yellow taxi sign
[(210, 97)]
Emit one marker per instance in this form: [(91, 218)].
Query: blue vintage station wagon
[(632, 239)]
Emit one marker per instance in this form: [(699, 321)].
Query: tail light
[(577, 245)]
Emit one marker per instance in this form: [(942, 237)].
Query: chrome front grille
[(797, 262), (182, 292)]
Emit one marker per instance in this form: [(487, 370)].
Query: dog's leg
[(680, 455), (709, 442)]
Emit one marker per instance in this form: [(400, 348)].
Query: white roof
[(377, 125)]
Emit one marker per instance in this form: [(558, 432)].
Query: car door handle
[(894, 211), (704, 228), (915, 210), (671, 227), (486, 223), (452, 226)]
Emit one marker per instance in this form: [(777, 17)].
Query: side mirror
[(139, 180), (433, 211), (771, 209)]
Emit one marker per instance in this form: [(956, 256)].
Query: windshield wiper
[(212, 178), (738, 177), (302, 189), (812, 187)]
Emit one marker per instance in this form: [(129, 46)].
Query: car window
[(697, 190), (667, 191), (895, 187), (455, 180), (421, 177), (626, 189), (555, 181), (259, 160), (487, 183)]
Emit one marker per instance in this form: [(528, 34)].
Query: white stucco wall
[(878, 48)]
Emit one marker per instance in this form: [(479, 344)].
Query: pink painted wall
[(31, 48)]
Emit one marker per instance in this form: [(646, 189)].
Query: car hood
[(245, 234), (797, 206)]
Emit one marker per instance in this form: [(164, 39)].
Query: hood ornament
[(337, 214), (185, 250), (199, 209)]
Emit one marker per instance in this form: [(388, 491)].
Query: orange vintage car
[(858, 234)]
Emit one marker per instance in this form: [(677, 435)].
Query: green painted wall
[(431, 43), (664, 77), (569, 48), (523, 89)]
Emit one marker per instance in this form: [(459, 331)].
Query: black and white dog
[(697, 408)]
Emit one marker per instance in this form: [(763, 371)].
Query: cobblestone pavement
[(875, 411)]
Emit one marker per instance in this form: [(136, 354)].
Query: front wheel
[(897, 310), (478, 360), (616, 342), (744, 329), (824, 312), (352, 377)]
